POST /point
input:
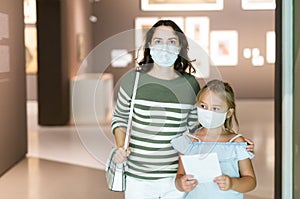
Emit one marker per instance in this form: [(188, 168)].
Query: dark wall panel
[(53, 83)]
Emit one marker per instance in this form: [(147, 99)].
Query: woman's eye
[(172, 42), (157, 42)]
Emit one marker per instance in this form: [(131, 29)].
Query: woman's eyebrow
[(172, 38), (156, 38)]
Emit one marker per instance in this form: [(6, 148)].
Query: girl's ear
[(229, 113)]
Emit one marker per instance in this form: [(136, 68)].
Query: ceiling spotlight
[(93, 19)]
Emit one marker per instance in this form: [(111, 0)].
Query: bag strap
[(129, 125)]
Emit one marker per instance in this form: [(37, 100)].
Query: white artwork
[(175, 5), (271, 47), (258, 4), (197, 29), (4, 59), (224, 48), (120, 58), (4, 30)]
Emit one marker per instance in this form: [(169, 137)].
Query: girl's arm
[(182, 181), (246, 183), (247, 180)]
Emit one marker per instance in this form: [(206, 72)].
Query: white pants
[(152, 189)]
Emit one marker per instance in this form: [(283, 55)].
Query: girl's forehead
[(164, 32), (210, 97)]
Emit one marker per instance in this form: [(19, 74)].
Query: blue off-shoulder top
[(229, 153)]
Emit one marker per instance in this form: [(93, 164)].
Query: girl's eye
[(203, 106), (156, 42), (216, 109)]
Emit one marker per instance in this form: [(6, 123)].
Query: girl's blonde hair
[(225, 92)]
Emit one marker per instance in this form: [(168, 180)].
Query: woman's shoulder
[(192, 80)]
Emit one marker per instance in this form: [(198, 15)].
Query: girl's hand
[(121, 155), (250, 146), (224, 182), (186, 183)]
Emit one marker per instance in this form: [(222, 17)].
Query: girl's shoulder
[(234, 137), (181, 143)]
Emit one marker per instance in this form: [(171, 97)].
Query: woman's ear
[(229, 113)]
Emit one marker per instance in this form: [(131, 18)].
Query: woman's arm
[(250, 145), (120, 155), (120, 134)]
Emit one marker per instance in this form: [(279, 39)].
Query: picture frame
[(178, 20), (224, 48), (142, 25), (30, 11), (197, 29), (270, 47), (31, 49), (181, 5), (258, 4)]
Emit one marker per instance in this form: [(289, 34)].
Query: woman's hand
[(250, 146), (224, 182), (185, 183), (121, 155)]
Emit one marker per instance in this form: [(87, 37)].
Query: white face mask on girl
[(210, 119), (164, 55)]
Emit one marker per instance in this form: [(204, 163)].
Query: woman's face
[(164, 35)]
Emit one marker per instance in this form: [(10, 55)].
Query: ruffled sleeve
[(181, 143), (242, 152)]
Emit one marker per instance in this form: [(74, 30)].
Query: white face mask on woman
[(210, 119), (164, 55)]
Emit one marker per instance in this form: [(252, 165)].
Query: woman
[(164, 108)]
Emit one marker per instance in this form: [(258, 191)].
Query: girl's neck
[(166, 73), (212, 135)]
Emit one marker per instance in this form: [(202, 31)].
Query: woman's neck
[(166, 73)]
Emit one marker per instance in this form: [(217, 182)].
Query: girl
[(216, 112)]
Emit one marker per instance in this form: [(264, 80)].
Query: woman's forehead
[(164, 32)]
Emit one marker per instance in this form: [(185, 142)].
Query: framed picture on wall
[(175, 5), (197, 29), (178, 20), (31, 49), (271, 46), (224, 48), (258, 4), (29, 11), (142, 25)]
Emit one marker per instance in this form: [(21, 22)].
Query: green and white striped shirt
[(163, 110)]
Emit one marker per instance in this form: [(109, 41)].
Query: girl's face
[(210, 101), (164, 35)]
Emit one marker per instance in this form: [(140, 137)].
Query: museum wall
[(249, 81), (13, 133)]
